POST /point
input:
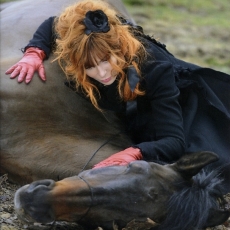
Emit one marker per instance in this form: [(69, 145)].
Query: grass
[(196, 31), (3, 1), (206, 12)]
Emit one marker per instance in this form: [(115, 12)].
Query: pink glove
[(121, 158), (28, 65)]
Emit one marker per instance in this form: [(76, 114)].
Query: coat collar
[(133, 77)]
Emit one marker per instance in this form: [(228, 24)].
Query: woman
[(169, 106)]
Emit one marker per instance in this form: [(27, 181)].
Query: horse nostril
[(48, 184)]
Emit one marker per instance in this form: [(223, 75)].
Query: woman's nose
[(101, 71)]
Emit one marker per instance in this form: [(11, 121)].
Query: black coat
[(186, 108)]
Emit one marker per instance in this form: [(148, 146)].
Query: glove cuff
[(139, 155), (135, 152), (40, 53)]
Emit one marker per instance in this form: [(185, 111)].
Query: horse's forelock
[(187, 208)]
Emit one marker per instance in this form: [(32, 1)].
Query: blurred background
[(196, 31)]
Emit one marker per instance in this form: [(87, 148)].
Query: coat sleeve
[(44, 37), (164, 129)]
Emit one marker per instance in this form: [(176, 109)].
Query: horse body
[(47, 130)]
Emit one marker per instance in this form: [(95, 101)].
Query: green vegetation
[(3, 1), (197, 12), (196, 31)]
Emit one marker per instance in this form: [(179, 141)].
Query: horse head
[(163, 193)]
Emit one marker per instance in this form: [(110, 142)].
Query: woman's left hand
[(121, 158)]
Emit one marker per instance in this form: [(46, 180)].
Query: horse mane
[(188, 209)]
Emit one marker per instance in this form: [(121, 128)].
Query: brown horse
[(168, 195), (47, 130)]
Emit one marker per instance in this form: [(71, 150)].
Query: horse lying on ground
[(167, 194), (47, 130)]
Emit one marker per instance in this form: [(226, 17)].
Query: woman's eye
[(89, 67), (106, 58)]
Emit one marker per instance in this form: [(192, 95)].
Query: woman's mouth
[(106, 80)]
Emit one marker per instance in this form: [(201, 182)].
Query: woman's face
[(103, 71)]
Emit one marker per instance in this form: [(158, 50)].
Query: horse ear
[(189, 165), (216, 217)]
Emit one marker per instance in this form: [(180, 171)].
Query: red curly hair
[(75, 49)]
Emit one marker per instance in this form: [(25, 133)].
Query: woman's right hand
[(31, 62)]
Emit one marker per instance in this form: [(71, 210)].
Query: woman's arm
[(164, 128), (157, 127), (44, 37), (35, 52)]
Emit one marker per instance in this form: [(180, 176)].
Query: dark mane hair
[(187, 208)]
